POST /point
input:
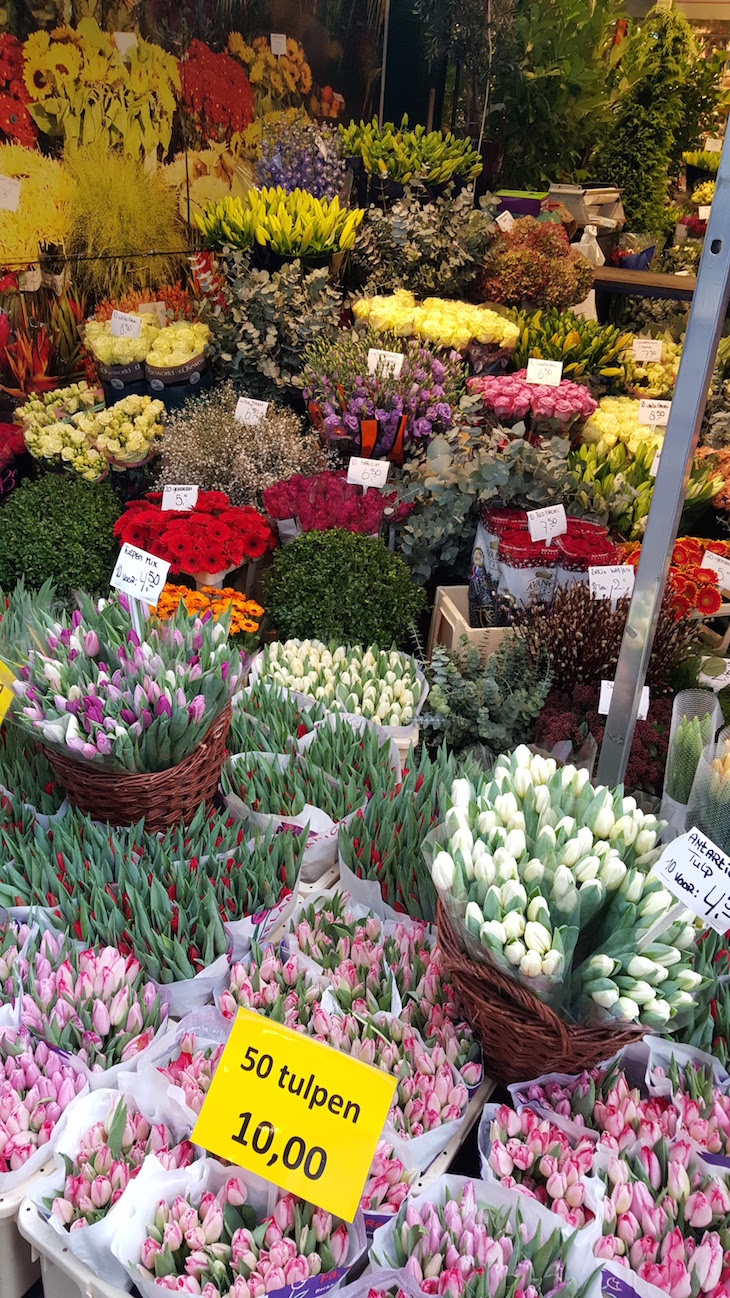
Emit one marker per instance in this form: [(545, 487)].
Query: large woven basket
[(521, 1036), (162, 798)]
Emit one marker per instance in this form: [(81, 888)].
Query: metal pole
[(706, 317), (386, 33)]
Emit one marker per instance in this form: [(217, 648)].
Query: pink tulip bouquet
[(602, 1101), (36, 1085), (459, 1248), (13, 937), (280, 989), (530, 1155), (192, 1070), (94, 1004), (219, 1247), (550, 411), (389, 1183), (110, 1155), (704, 1109)]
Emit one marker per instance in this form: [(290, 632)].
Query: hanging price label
[(655, 413), (249, 411), (368, 473), (179, 497), (278, 43), (385, 363), (698, 874), (549, 373), (139, 574), (125, 326), (646, 349), (296, 1112), (719, 565), (544, 524), (611, 583), (505, 221), (604, 701), (9, 194), (713, 145)]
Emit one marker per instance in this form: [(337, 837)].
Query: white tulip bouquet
[(534, 863)]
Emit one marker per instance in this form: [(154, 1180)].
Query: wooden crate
[(450, 621)]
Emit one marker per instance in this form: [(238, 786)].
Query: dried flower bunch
[(205, 443), (583, 638)]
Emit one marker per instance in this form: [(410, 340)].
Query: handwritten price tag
[(9, 194), (604, 701), (655, 413), (720, 566), (549, 373), (713, 145), (296, 1112), (140, 574), (703, 212), (390, 363), (698, 873), (179, 497), (249, 411), (505, 221), (611, 583), (546, 523), (278, 43), (125, 326), (646, 349), (368, 473)]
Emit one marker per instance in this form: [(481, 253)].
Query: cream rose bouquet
[(436, 320), (127, 433), (66, 445), (120, 351)]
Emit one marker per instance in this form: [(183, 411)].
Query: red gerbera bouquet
[(690, 587), (216, 93), (213, 537), (15, 121)]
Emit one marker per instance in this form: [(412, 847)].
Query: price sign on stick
[(720, 566), (549, 373), (296, 1112), (505, 221), (125, 326), (249, 411), (611, 582), (368, 473), (179, 497), (546, 523), (654, 413), (385, 363), (698, 873), (278, 43), (713, 145), (9, 194), (646, 349), (703, 211), (140, 575), (604, 701)]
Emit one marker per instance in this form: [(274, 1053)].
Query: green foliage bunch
[(497, 702), (59, 529), (341, 586)]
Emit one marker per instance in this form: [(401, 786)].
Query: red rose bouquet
[(328, 500), (213, 537)]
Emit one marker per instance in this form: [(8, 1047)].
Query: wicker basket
[(162, 798), (521, 1036)]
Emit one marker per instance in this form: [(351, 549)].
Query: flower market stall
[(364, 685)]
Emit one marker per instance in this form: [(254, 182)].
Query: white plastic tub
[(19, 1270), (62, 1274)]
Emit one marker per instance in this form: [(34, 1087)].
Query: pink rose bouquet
[(110, 1155), (550, 411), (219, 1247), (530, 1155), (36, 1085)]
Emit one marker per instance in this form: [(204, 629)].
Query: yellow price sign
[(6, 692), (296, 1112)]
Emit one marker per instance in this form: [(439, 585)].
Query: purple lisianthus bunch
[(300, 155), (350, 387), (99, 692), (511, 399)]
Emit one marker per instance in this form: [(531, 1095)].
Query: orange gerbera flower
[(708, 601), (681, 606)]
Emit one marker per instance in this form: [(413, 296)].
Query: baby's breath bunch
[(205, 444)]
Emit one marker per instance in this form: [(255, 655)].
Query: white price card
[(703, 211), (608, 582), (139, 574), (9, 194), (179, 497), (505, 221), (646, 349), (157, 309), (546, 523), (368, 473), (698, 873), (249, 411), (715, 673), (713, 145), (719, 565), (387, 363), (654, 467), (278, 43), (125, 42), (604, 701), (125, 325), (654, 413), (549, 373)]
